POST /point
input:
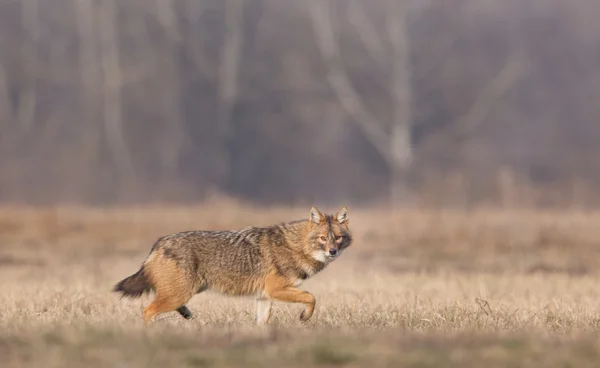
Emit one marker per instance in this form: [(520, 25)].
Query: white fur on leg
[(263, 311)]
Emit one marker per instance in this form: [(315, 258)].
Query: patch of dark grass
[(89, 346), (330, 354), (198, 361)]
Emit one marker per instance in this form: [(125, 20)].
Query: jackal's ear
[(316, 216), (342, 216)]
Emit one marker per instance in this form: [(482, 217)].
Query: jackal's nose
[(333, 252)]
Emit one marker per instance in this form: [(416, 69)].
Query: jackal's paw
[(304, 316)]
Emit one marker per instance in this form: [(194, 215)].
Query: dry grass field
[(425, 288)]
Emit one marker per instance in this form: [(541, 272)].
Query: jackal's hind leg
[(185, 312), (164, 304)]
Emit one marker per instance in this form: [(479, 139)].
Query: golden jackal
[(265, 262)]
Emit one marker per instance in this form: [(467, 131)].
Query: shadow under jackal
[(267, 263)]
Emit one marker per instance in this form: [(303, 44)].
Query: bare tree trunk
[(231, 54), (401, 150), (87, 58), (400, 165), (91, 137), (113, 82), (5, 104), (174, 139), (28, 100), (9, 178)]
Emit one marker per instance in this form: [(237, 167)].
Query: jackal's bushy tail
[(134, 286)]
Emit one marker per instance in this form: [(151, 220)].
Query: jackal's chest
[(303, 274), (306, 271)]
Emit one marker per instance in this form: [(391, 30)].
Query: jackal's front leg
[(263, 311), (278, 288)]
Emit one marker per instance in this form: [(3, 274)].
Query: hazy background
[(220, 114), (439, 103)]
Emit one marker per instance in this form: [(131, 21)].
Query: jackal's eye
[(338, 238), (323, 238)]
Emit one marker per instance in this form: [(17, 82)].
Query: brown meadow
[(422, 288)]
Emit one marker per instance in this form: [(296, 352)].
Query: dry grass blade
[(484, 305)]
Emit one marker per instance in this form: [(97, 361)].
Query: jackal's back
[(233, 262)]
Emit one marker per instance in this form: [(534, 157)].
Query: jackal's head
[(329, 235)]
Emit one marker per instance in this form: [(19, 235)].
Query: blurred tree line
[(444, 102)]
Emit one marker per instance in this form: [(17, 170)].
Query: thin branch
[(340, 82), (487, 98), (366, 31), (512, 70)]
